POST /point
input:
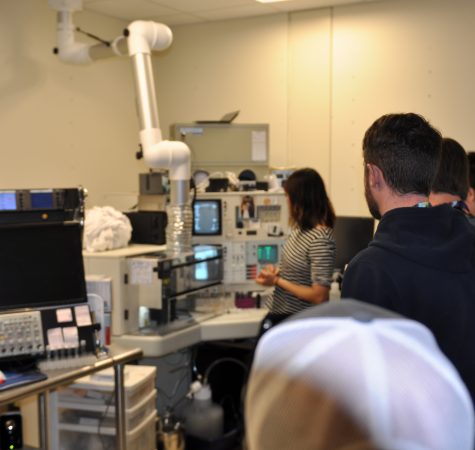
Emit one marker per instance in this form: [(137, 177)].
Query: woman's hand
[(268, 276)]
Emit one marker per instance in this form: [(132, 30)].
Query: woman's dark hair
[(309, 203)]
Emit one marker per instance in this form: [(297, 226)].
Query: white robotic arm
[(141, 38), (73, 52)]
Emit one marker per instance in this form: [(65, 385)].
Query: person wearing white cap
[(353, 376)]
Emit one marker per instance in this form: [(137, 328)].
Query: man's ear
[(375, 176), (470, 200), (471, 194)]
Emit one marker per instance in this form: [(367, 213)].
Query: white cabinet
[(83, 414), (126, 297)]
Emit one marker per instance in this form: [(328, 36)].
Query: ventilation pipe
[(140, 38)]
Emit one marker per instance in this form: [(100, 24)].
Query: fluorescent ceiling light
[(271, 1)]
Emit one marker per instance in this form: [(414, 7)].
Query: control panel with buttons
[(21, 333)]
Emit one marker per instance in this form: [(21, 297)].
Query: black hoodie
[(421, 264)]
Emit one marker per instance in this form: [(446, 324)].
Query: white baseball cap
[(385, 374)]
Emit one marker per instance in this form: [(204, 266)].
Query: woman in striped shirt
[(306, 267)]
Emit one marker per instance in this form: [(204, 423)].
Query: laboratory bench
[(116, 358), (234, 323)]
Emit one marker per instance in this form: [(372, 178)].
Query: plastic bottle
[(335, 293), (203, 418)]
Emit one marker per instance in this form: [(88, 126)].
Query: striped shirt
[(308, 258)]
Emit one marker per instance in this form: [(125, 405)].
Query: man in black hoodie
[(421, 262)]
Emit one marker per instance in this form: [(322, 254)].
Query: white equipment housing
[(252, 227)]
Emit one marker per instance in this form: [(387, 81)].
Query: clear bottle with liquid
[(335, 292), (204, 419)]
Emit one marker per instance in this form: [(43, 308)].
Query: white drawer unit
[(83, 414), (142, 437)]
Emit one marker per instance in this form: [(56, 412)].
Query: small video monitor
[(8, 201), (207, 219), (42, 199), (206, 270), (268, 254), (352, 234)]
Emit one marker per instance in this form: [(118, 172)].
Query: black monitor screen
[(42, 199), (352, 234), (207, 217), (41, 265)]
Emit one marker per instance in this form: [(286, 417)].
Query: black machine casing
[(11, 431), (42, 205), (42, 266), (148, 227)]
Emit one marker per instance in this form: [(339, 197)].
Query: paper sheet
[(259, 146), (55, 338), (141, 270), (64, 315), (83, 316)]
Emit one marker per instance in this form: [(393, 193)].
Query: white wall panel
[(63, 125), (309, 91), (319, 78), (401, 56), (219, 67)]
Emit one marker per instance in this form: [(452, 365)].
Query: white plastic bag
[(106, 228)]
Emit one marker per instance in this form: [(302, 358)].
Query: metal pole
[(43, 413), (121, 432)]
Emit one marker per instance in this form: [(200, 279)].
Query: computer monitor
[(267, 254), (207, 219), (41, 265), (208, 270), (352, 234)]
